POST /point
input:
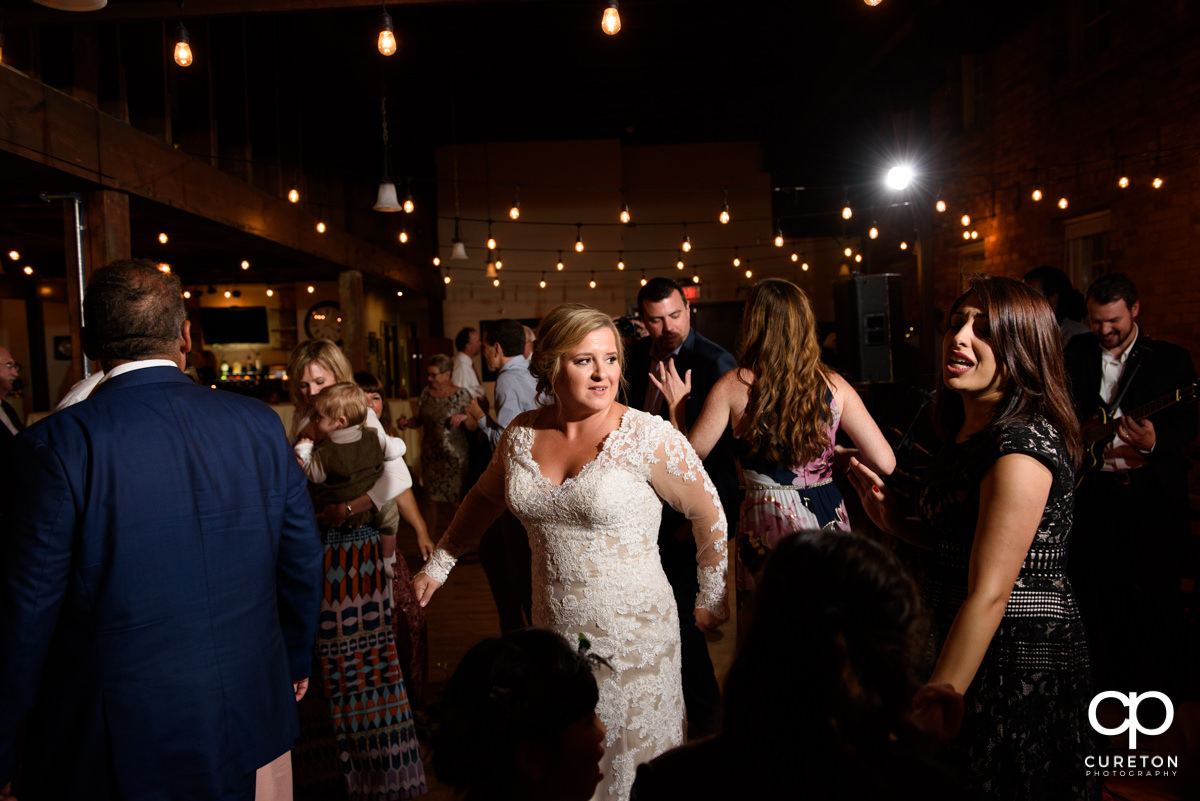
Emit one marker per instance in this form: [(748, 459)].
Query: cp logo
[(1131, 723)]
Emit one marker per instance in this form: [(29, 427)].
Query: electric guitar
[(1098, 432)]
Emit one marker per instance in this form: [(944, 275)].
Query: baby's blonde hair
[(342, 400)]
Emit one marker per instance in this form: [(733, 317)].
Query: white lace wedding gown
[(596, 569)]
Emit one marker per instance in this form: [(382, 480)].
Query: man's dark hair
[(659, 289), (508, 334), (132, 310), (462, 338), (1052, 280), (1113, 287)]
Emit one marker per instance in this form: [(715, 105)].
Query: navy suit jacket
[(160, 581), (708, 361)]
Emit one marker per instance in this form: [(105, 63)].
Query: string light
[(795, 255), (161, 238), (270, 292), (228, 294), (495, 282), (679, 264), (625, 218), (14, 255), (164, 267), (387, 35), (446, 279), (399, 293), (491, 241), (28, 270), (858, 258), (737, 262), (187, 295), (592, 283), (403, 236), (724, 217), (686, 247), (965, 219), (778, 237), (245, 264), (1036, 194), (183, 45), (966, 234), (579, 238), (904, 246), (804, 266), (320, 227), (515, 212), (293, 195), (695, 279), (874, 232), (974, 234), (560, 262), (621, 260), (610, 23), (1062, 202), (437, 261), (940, 206), (1157, 182), (847, 252), (499, 263), (1123, 182), (643, 277), (542, 283), (311, 289)]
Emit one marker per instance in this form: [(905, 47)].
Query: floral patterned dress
[(443, 446), (780, 500), (1025, 732)]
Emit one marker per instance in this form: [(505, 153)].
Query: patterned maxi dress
[(596, 569), (443, 446), (358, 737), (780, 500), (1025, 732)]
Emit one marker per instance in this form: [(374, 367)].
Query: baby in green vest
[(346, 458)]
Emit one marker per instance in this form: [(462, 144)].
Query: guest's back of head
[(832, 648), (518, 720)]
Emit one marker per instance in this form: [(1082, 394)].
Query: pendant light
[(386, 199)]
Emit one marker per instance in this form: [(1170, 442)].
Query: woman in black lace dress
[(996, 507)]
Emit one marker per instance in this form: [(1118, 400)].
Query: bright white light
[(899, 177)]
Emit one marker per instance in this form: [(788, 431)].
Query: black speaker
[(870, 326)]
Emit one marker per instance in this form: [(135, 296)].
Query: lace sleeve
[(678, 477), (479, 509)]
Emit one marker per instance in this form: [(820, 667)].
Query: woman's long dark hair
[(1027, 344), (831, 658)]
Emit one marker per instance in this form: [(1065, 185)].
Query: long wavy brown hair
[(1025, 339), (787, 419)]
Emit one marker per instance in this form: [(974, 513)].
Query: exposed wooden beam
[(48, 127)]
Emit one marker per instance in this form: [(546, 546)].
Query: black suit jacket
[(1164, 368), (708, 361)]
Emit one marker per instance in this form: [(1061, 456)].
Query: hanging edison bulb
[(491, 240), (542, 283), (940, 205), (610, 23), (904, 246), (749, 273), (409, 206), (437, 261), (560, 262), (592, 283), (245, 264), (965, 219), (872, 3), (974, 234), (804, 266), (1157, 182), (795, 256), (621, 261), (679, 264), (387, 36), (183, 47), (514, 213), (737, 262), (847, 252), (643, 279), (966, 234), (270, 293), (625, 218), (686, 247), (1123, 182), (1062, 202), (495, 282), (1036, 194), (847, 212), (293, 195), (320, 227), (873, 233), (778, 238), (579, 237), (446, 280), (858, 258), (403, 236), (161, 238), (724, 216)]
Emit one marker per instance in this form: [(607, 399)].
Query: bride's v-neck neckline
[(599, 454)]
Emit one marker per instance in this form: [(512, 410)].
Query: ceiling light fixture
[(724, 216), (320, 227), (625, 218), (621, 260), (409, 205), (386, 199), (458, 251), (687, 240), (560, 265), (579, 238), (293, 195), (610, 23), (515, 212), (387, 34), (183, 45)]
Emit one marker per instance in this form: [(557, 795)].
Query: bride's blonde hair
[(562, 330)]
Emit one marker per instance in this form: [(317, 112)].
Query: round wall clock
[(324, 321)]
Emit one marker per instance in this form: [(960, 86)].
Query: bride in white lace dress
[(587, 478)]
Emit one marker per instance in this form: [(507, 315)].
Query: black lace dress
[(1025, 732)]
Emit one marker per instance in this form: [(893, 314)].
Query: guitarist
[(1131, 514)]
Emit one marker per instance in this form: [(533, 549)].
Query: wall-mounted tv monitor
[(235, 324)]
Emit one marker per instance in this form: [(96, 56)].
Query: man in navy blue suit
[(160, 573), (667, 317)]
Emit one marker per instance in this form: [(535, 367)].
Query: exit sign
[(691, 292)]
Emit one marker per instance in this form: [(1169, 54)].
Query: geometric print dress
[(1025, 731)]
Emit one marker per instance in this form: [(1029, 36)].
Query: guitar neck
[(1145, 410)]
